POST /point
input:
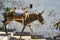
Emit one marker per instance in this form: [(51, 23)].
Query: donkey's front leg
[(29, 25), (33, 36)]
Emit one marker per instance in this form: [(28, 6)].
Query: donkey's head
[(40, 17)]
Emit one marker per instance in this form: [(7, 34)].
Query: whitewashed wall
[(51, 15)]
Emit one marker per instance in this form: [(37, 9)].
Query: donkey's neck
[(32, 17)]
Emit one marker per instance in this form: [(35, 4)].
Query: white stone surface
[(4, 38)]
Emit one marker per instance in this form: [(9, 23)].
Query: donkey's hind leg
[(5, 29), (5, 23)]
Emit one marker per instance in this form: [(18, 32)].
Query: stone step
[(27, 37), (22, 37), (24, 34), (14, 38)]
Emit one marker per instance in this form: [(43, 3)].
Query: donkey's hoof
[(34, 37)]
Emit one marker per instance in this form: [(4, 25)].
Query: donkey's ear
[(42, 12)]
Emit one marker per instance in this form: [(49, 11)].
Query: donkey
[(10, 16)]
